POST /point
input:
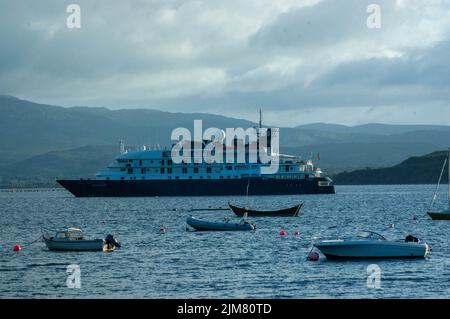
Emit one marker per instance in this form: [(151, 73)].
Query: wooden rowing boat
[(287, 212)]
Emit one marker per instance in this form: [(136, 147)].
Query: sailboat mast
[(437, 186), (448, 162)]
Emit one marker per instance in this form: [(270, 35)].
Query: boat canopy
[(70, 233), (370, 235)]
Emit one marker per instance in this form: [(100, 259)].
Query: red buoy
[(313, 256), (283, 232), (17, 248)]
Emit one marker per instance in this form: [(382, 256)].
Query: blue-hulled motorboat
[(72, 239)]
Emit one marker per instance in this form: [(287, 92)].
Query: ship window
[(177, 177), (190, 177), (162, 170), (140, 162), (130, 171), (162, 162), (184, 170), (201, 177), (122, 178), (208, 170), (169, 162), (169, 170), (142, 171), (229, 168), (195, 170)]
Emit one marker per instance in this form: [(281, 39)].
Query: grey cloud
[(233, 57), (427, 68)]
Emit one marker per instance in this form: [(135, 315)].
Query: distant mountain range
[(415, 170), (39, 141)]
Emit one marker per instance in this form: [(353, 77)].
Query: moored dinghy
[(72, 239), (287, 212), (443, 214), (203, 225), (368, 245)]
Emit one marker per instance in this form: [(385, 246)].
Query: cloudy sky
[(301, 61)]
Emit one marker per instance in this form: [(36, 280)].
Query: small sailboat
[(370, 245), (286, 212), (227, 225), (443, 214), (72, 239)]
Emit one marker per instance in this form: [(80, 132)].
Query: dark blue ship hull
[(194, 187)]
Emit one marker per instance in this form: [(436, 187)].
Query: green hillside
[(415, 170), (40, 142)]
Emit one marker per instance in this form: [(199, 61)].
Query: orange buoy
[(313, 256), (283, 232), (17, 248)]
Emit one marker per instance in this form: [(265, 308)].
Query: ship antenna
[(122, 146), (260, 118)]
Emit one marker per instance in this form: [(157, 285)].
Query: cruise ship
[(154, 173)]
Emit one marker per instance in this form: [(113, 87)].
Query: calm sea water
[(181, 264)]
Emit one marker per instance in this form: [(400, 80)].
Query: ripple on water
[(260, 264)]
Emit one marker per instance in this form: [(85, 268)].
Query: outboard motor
[(411, 239), (110, 241)]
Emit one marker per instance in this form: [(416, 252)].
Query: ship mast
[(448, 162), (122, 146), (260, 119)]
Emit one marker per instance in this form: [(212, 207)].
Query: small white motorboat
[(72, 239), (368, 245)]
